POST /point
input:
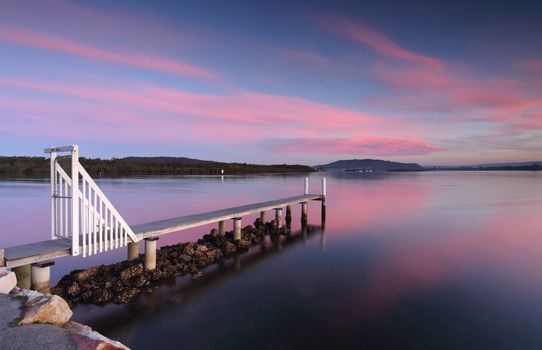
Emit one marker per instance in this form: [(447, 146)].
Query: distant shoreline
[(39, 167)]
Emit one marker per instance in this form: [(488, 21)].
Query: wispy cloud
[(31, 38), (368, 146), (155, 111), (364, 34), (419, 82)]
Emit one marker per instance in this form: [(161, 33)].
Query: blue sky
[(296, 82)]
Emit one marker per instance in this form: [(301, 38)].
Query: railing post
[(75, 200), (53, 193), (306, 186)]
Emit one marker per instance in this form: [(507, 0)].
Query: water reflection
[(118, 319), (445, 260)]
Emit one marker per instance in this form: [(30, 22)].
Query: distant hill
[(529, 166), (503, 165), (39, 167), (374, 165)]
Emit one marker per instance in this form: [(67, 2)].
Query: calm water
[(444, 260)]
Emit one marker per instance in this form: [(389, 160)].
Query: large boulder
[(41, 308), (8, 280)]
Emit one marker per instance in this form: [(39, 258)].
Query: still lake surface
[(437, 260)]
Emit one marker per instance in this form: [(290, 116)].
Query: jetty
[(84, 222)]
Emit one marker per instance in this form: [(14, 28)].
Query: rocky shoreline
[(121, 282), (32, 320)]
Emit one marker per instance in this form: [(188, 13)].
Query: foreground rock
[(86, 339), (121, 282), (31, 320), (8, 280), (43, 308)]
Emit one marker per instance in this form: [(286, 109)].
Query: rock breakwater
[(121, 282)]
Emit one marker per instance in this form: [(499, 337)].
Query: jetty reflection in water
[(121, 319)]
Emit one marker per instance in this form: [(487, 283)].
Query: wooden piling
[(262, 217), (222, 227), (304, 211)]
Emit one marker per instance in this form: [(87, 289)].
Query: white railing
[(81, 211)]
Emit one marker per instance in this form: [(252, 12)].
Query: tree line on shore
[(19, 166)]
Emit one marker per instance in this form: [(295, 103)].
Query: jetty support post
[(41, 276), (133, 250), (150, 253), (288, 215), (262, 217), (304, 205), (236, 229), (278, 216), (23, 276), (222, 227), (304, 211)]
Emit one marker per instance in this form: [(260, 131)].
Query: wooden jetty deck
[(51, 249)]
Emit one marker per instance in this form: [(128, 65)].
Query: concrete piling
[(222, 227), (304, 211), (288, 215), (41, 276), (150, 253), (236, 229), (133, 250), (278, 216), (23, 276)]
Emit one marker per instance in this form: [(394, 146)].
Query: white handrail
[(80, 210)]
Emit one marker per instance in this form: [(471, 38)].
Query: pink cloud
[(424, 83), (27, 37), (363, 34), (360, 146), (245, 107), (156, 113)]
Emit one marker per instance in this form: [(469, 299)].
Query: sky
[(437, 83)]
